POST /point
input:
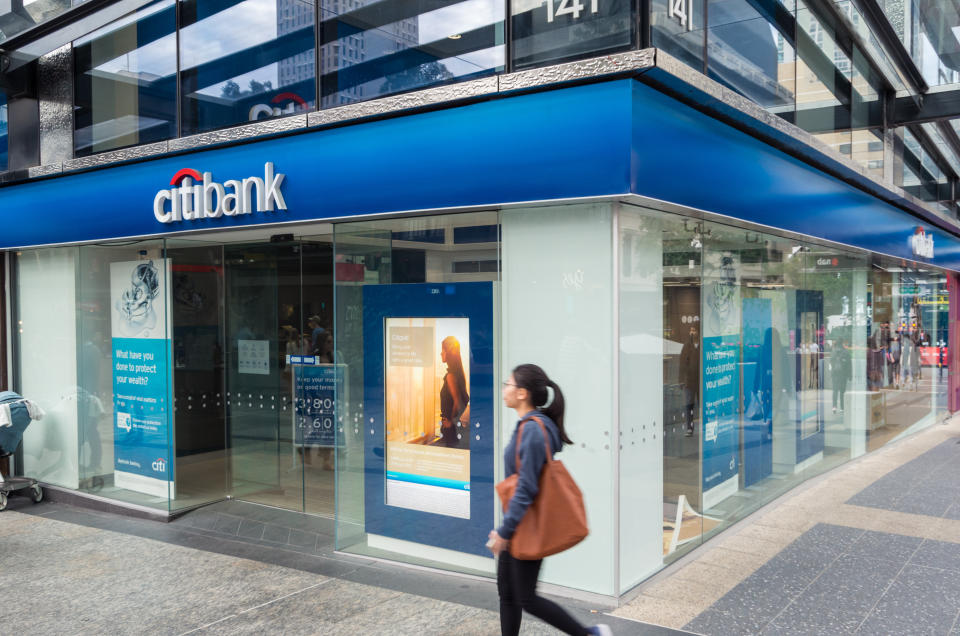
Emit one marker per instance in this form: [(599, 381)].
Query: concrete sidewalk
[(75, 571), (872, 547)]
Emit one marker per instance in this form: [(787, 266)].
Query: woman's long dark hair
[(535, 381), (454, 362)]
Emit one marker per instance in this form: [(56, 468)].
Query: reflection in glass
[(19, 17), (751, 54), (3, 131), (125, 81), (370, 49), (679, 33), (823, 89), (246, 61), (928, 29), (550, 31)]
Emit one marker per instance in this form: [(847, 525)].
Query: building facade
[(727, 229)]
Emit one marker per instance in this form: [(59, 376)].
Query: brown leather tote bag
[(556, 520)]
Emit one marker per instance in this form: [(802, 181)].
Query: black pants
[(517, 585)]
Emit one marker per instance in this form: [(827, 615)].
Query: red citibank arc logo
[(197, 196), (294, 101)]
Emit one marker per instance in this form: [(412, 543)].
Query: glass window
[(551, 31), (679, 33), (907, 333), (920, 173), (102, 311), (824, 89), (414, 313), (867, 150), (928, 29), (125, 81), (753, 53), (371, 49), (245, 61), (19, 17), (3, 131)]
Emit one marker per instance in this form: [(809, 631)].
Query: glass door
[(253, 338), (262, 317)]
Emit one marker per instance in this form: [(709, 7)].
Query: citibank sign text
[(195, 196)]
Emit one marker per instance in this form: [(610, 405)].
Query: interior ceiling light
[(455, 36)]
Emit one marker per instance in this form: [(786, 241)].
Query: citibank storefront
[(273, 321)]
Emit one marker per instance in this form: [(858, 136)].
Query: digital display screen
[(427, 395)]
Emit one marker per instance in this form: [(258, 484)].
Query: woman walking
[(526, 393)]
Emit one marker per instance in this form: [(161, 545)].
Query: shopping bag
[(557, 519)]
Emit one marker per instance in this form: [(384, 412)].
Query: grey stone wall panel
[(238, 133), (117, 156), (55, 96)]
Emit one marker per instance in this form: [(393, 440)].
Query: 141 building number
[(682, 10), (570, 7)]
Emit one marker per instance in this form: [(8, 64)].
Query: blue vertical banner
[(721, 395), (143, 459), (315, 389), (721, 376)]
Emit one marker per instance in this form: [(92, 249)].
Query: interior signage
[(195, 196), (921, 243)]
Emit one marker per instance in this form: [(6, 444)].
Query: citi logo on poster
[(263, 111), (159, 465), (195, 196)]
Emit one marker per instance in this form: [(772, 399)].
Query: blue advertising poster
[(140, 351), (429, 414), (721, 392), (315, 387)]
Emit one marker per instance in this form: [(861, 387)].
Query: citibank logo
[(197, 196), (263, 111), (921, 243), (160, 465)]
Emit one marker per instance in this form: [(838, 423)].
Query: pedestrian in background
[(526, 393)]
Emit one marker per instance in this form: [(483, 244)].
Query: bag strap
[(546, 439)]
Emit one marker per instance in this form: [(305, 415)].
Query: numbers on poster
[(572, 8), (682, 10)]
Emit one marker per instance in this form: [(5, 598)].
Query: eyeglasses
[(506, 384)]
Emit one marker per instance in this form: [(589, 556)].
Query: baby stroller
[(16, 414)]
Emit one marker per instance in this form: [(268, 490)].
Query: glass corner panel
[(125, 84), (245, 61), (558, 30), (369, 52), (677, 28), (753, 53)]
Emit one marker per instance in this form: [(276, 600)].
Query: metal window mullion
[(178, 114)]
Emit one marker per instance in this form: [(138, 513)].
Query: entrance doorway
[(244, 315)]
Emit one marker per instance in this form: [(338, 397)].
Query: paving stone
[(884, 545), (715, 622), (276, 534), (227, 524), (851, 585), (937, 554), (798, 620), (920, 601), (251, 529)]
